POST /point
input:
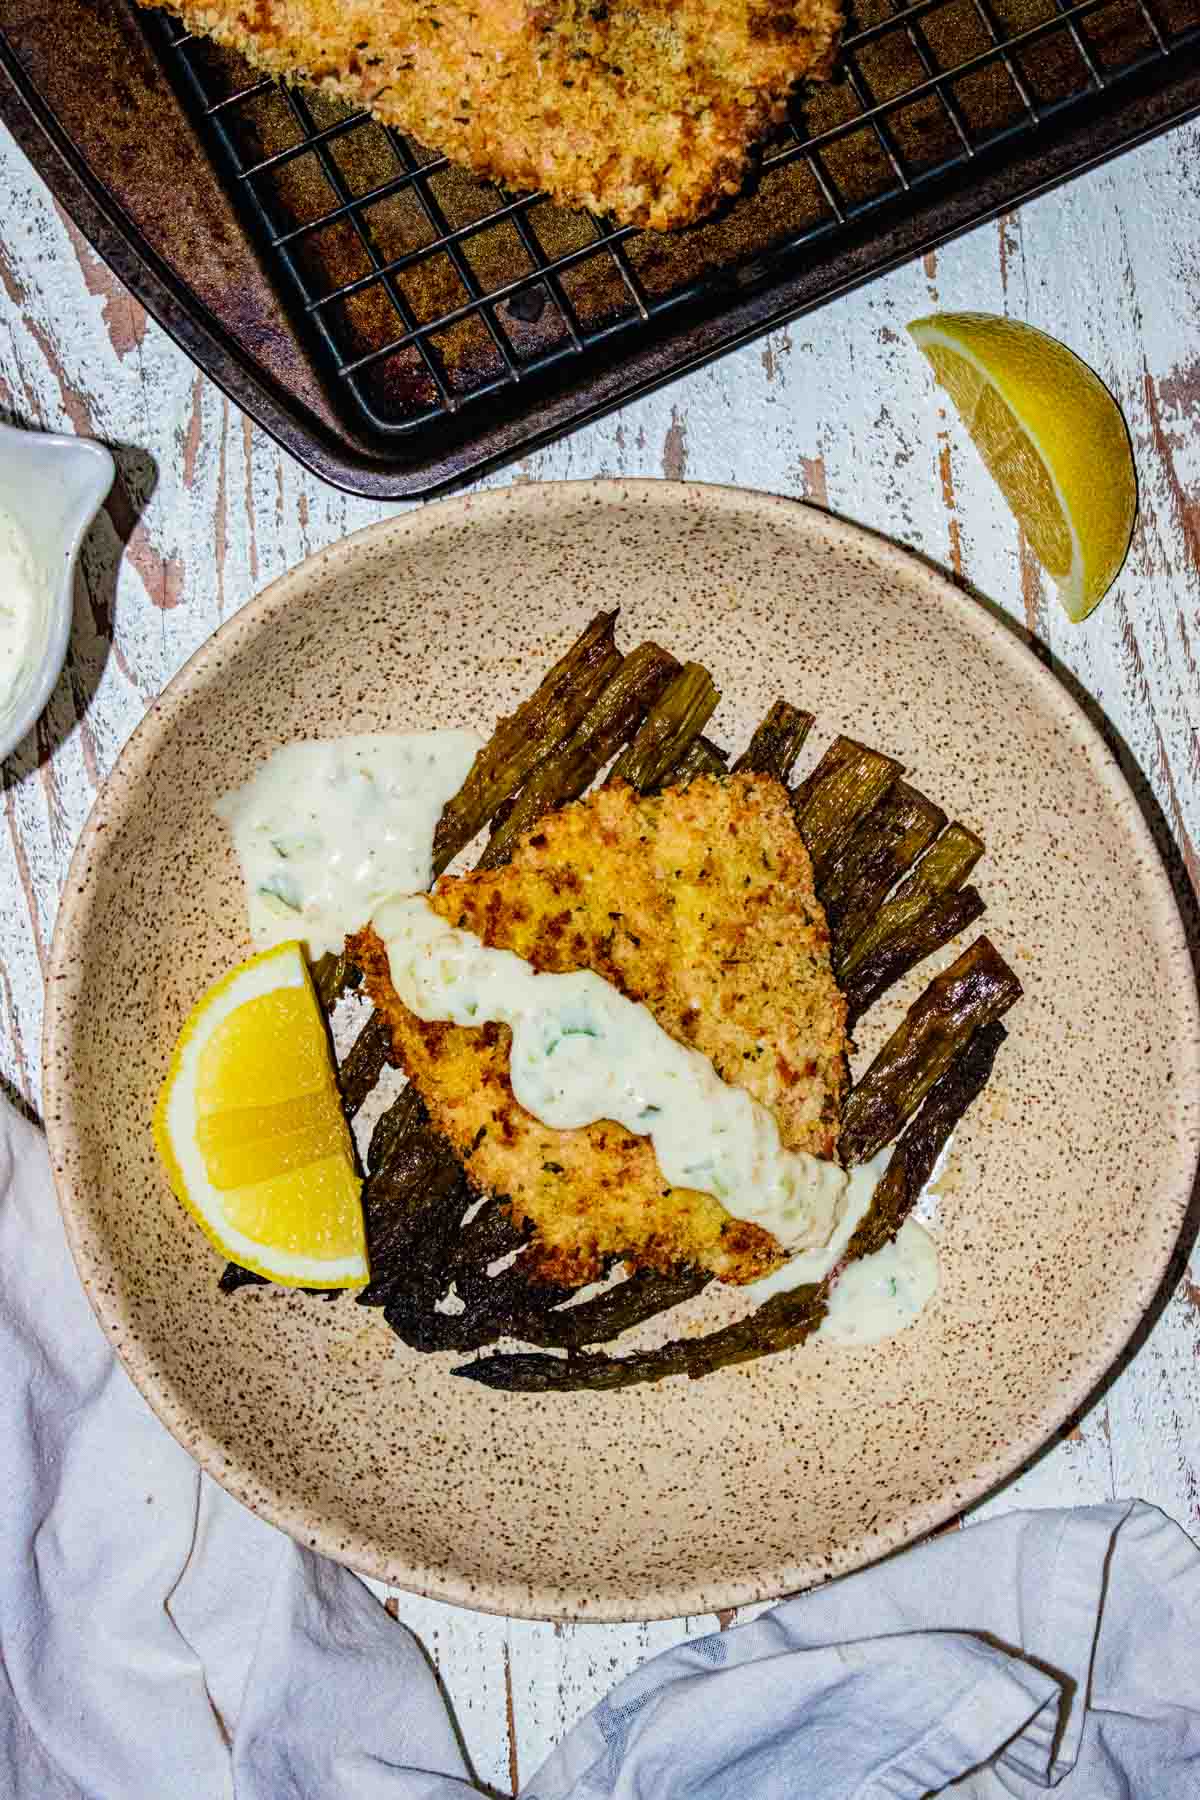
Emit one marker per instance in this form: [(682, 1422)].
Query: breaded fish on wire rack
[(699, 903), (645, 112)]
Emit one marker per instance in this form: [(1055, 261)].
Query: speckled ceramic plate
[(1066, 1186)]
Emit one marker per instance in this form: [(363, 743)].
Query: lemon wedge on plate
[(251, 1130), (1052, 437)]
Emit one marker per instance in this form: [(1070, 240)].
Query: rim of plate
[(1174, 1189)]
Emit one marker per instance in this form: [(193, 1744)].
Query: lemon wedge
[(1052, 437), (251, 1130)]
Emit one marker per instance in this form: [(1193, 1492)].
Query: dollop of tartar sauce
[(327, 829), (582, 1052), (882, 1294), (24, 607), (877, 1296)]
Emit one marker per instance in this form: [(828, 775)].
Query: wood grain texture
[(836, 408)]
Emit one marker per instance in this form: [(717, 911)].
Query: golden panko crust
[(647, 112), (699, 903)]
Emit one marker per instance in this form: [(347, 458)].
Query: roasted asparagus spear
[(520, 742), (609, 723), (783, 1320), (943, 919), (944, 867), (414, 1205), (605, 1316), (776, 743), (679, 717), (848, 781), (332, 977), (924, 1138), (700, 758), (883, 848), (975, 990)]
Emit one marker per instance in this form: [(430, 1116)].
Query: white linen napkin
[(159, 1640)]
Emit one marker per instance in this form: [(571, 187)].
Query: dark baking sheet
[(399, 326)]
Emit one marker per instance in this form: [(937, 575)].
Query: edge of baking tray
[(1139, 110)]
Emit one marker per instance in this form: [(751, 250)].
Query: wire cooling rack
[(424, 291)]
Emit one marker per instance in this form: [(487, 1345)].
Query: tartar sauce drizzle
[(884, 1293), (582, 1052), (815, 1265), (879, 1295), (24, 604), (327, 829)]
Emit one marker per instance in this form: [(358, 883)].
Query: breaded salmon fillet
[(646, 112), (697, 902)]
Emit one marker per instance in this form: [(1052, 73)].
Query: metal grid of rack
[(424, 291)]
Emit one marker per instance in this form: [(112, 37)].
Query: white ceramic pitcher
[(54, 487)]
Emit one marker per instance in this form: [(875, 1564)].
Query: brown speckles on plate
[(1067, 1193)]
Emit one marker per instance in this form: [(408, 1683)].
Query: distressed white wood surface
[(837, 408)]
